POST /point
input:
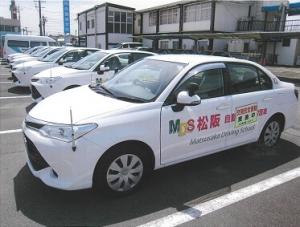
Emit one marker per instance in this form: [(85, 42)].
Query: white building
[(164, 26), (105, 25)]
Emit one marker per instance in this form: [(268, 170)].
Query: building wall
[(91, 41), (115, 38), (82, 20), (227, 15), (286, 55), (91, 16), (100, 42), (137, 20), (146, 28), (100, 20)]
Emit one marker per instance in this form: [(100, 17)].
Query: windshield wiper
[(131, 99), (101, 89)]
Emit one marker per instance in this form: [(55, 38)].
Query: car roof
[(116, 51), (196, 59)]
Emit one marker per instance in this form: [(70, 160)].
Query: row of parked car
[(47, 70), (158, 111)]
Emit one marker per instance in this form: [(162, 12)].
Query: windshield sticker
[(243, 116)]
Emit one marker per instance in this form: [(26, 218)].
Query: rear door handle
[(267, 99), (223, 107)]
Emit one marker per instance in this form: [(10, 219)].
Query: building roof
[(167, 5), (106, 4)]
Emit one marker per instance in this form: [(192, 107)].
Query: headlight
[(50, 80), (64, 132)]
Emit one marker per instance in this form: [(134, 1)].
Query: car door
[(252, 98), (196, 130)]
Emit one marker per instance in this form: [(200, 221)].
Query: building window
[(119, 22), (164, 44), (168, 16), (80, 26), (152, 18), (88, 24), (286, 42), (93, 23), (197, 12)]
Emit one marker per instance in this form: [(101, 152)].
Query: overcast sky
[(52, 9)]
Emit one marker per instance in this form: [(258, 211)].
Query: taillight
[(296, 94)]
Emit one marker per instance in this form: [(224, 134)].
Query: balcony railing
[(258, 25)]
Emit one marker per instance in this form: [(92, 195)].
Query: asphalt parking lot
[(25, 201)]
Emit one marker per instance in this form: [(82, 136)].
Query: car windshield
[(54, 56), (52, 51), (41, 53), (38, 52), (144, 80), (89, 61)]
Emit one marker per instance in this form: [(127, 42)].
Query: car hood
[(23, 58), (84, 102), (31, 64), (56, 71)]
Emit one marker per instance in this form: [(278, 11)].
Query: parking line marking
[(15, 97), (11, 131), (202, 209)]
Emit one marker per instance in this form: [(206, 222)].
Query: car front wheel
[(121, 171)]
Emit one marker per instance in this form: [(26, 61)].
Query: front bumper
[(57, 165), (42, 91)]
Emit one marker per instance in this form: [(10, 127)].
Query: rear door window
[(243, 78)]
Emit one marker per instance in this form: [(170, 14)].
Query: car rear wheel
[(121, 171), (271, 133)]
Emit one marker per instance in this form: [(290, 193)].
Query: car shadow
[(19, 90), (171, 187)]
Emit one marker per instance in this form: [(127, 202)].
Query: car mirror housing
[(183, 98), (102, 69)]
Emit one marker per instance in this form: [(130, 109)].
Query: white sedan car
[(157, 112), (99, 66), (23, 72)]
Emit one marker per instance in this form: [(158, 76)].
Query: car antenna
[(72, 129)]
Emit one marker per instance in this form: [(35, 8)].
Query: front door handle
[(223, 107)]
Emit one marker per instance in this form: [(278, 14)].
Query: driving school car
[(99, 66), (155, 113)]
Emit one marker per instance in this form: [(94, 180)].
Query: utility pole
[(44, 19), (40, 17)]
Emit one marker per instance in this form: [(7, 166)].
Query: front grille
[(35, 158), (15, 79), (34, 93)]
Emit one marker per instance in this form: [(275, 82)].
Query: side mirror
[(103, 69), (61, 61), (183, 98)]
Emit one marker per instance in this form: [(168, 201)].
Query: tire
[(111, 177), (271, 132)]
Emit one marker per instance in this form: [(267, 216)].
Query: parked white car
[(99, 66), (157, 112), (25, 53), (16, 56), (38, 56), (23, 72)]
